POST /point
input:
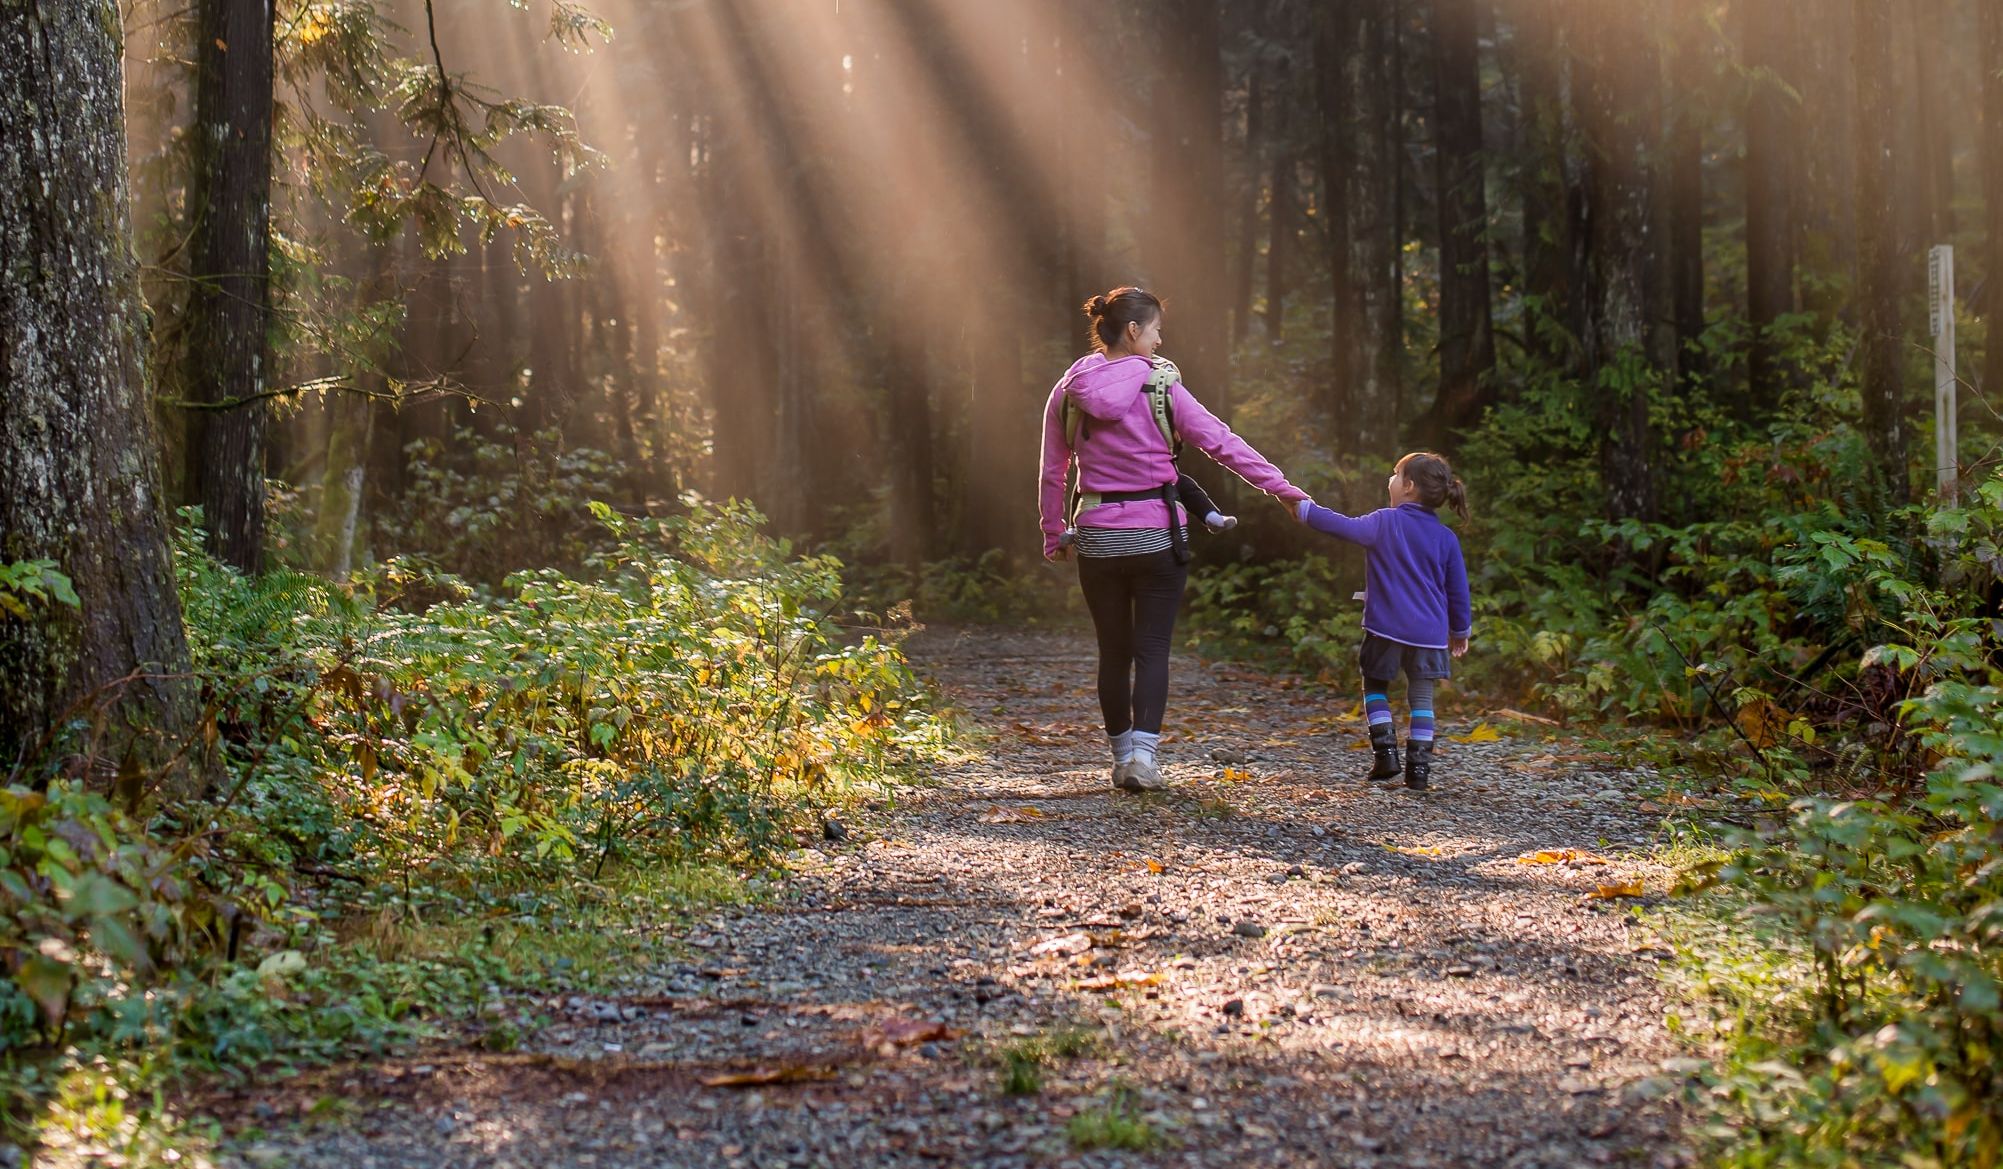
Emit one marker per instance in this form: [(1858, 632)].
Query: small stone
[(1249, 929), (1295, 870), (1235, 1008), (1226, 755), (833, 829), (928, 1050), (1329, 990), (1354, 867), (1460, 972), (1131, 910)]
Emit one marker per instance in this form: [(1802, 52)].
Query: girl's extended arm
[(1360, 529)]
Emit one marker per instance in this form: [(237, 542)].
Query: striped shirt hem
[(1101, 542)]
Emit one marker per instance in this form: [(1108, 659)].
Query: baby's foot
[(1218, 522), (1069, 538)]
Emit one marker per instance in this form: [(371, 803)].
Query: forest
[(504, 502)]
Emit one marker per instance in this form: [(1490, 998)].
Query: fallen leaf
[(1618, 889), (1067, 944), (792, 1073), (1233, 775), (1525, 717), (1017, 815), (902, 1031), (1561, 856), (1417, 849), (1480, 733)]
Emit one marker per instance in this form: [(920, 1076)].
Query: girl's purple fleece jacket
[(1120, 449), (1414, 580)]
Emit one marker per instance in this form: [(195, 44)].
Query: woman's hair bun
[(1096, 307)]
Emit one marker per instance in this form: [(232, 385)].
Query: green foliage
[(1115, 1122), (482, 509), (549, 770), (35, 581), (1888, 1030)]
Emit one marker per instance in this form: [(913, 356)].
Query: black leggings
[(1133, 600)]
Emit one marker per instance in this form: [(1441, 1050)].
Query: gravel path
[(1271, 964)]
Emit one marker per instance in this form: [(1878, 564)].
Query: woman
[(1132, 565)]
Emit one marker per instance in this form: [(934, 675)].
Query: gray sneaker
[(1123, 776), (1144, 776)]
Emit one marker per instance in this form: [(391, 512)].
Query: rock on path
[(1269, 965)]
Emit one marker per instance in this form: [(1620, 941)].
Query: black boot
[(1418, 763), (1384, 741)]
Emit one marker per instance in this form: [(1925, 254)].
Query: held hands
[(1457, 646)]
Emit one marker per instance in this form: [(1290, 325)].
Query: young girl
[(1416, 612)]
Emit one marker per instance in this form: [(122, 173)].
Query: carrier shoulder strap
[(1163, 376)]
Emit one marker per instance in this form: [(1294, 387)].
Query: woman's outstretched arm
[(1207, 433)]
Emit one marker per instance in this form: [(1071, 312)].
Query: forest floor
[(1270, 964)]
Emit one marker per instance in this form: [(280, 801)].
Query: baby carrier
[(1076, 424)]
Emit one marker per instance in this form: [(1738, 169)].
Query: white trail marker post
[(1940, 316)]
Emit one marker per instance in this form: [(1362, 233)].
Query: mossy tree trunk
[(79, 479)]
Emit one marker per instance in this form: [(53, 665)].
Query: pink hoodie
[(1120, 448)]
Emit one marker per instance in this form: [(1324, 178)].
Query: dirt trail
[(1246, 967)]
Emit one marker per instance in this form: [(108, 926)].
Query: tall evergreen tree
[(227, 362)]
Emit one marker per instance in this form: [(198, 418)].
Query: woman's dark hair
[(1436, 481), (1111, 313)]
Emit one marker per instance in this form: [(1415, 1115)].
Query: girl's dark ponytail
[(1436, 481), (1457, 498)]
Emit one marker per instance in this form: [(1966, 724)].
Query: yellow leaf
[(1155, 866), (1631, 888), (1417, 850), (1559, 856), (1233, 775), (1481, 733), (1018, 815)]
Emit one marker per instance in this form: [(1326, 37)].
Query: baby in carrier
[(1194, 499)]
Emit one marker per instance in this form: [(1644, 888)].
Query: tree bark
[(1991, 56), (79, 477), (229, 302), (1773, 111), (1360, 175), (1551, 189), (1683, 162), (1467, 340), (1185, 249), (1877, 249), (1629, 342), (1248, 223)]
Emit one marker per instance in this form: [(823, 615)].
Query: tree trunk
[(1248, 224), (1553, 203), (1467, 340), (1773, 111), (1186, 189), (1877, 248), (229, 299), (1992, 189), (1283, 222), (1683, 164), (79, 477), (1628, 339), (1360, 177), (1934, 140)]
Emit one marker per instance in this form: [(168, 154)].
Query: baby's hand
[(1457, 646), (1299, 509)]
